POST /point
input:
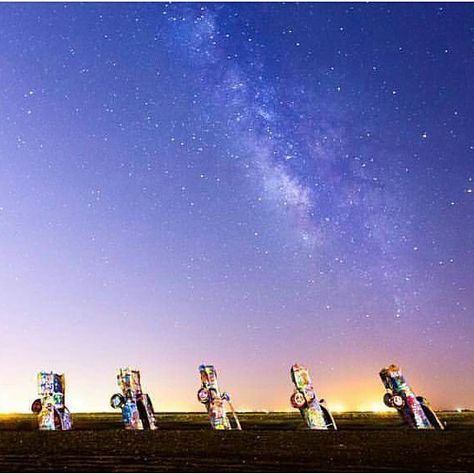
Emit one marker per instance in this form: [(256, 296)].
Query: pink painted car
[(304, 398), (215, 401)]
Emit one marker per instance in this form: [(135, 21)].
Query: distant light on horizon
[(376, 407), (337, 407)]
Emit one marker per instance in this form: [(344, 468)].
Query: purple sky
[(249, 185)]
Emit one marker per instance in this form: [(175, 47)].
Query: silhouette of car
[(415, 411), (50, 407), (136, 406), (214, 400), (304, 398)]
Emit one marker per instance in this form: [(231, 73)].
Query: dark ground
[(269, 442)]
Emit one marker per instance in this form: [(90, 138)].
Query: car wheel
[(398, 401), (226, 397), (387, 400), (297, 400), (203, 395), (422, 400), (117, 400), (36, 406)]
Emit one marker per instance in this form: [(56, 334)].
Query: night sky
[(248, 185)]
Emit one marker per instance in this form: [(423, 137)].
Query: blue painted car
[(136, 406), (50, 407), (414, 410)]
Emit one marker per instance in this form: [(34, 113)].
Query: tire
[(203, 395), (387, 400), (298, 400), (328, 418), (226, 397), (117, 400), (398, 402), (36, 406)]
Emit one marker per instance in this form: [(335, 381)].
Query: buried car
[(136, 406), (214, 400), (415, 411), (304, 398), (50, 408)]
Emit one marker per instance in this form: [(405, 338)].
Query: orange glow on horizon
[(86, 394)]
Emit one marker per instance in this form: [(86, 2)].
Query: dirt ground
[(269, 442)]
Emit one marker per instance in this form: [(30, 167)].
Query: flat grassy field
[(268, 442)]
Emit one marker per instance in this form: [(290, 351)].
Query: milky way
[(244, 184)]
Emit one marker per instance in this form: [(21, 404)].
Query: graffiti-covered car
[(304, 398), (136, 406), (414, 410), (215, 400), (50, 407)]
